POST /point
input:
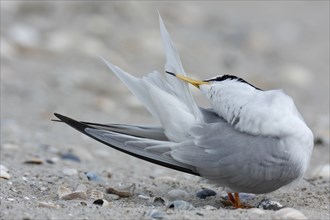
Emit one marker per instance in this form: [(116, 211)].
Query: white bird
[(251, 140)]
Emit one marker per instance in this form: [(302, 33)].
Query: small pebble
[(268, 204), (155, 214), (243, 196), (70, 156), (209, 207), (112, 197), (4, 172), (289, 213), (206, 193), (176, 194), (70, 171), (181, 205), (92, 176)]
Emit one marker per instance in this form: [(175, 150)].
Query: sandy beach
[(49, 63)]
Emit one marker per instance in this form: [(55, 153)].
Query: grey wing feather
[(151, 150), (242, 162), (151, 132)]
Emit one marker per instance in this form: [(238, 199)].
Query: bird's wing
[(132, 145), (242, 162)]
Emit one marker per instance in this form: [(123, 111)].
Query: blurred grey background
[(49, 57)]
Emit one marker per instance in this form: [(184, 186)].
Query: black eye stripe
[(230, 77)]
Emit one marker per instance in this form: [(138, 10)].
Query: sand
[(49, 64)]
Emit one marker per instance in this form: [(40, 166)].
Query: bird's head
[(230, 79)]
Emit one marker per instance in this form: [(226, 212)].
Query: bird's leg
[(231, 198), (237, 201)]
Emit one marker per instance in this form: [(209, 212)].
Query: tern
[(250, 140)]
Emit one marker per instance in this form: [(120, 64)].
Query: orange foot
[(236, 203)]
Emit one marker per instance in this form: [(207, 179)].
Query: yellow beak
[(193, 82)]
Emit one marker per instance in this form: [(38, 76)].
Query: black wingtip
[(173, 74), (73, 123)]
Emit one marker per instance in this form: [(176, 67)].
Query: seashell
[(289, 213), (48, 205), (120, 193), (102, 202), (181, 205), (74, 195), (159, 201), (268, 204), (4, 172), (205, 193), (34, 161), (144, 197), (62, 191), (176, 194), (155, 214), (81, 188), (95, 194), (66, 194)]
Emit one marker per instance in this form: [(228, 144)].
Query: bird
[(249, 140)]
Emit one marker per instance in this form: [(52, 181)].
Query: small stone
[(209, 207), (4, 172), (289, 213), (112, 197), (181, 205), (155, 214), (176, 194), (206, 193), (92, 176), (268, 204), (70, 156), (70, 171), (324, 171)]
